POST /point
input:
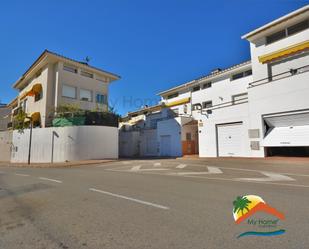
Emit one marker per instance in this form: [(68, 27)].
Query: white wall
[(129, 143), (5, 145), (73, 144), (171, 127), (284, 95)]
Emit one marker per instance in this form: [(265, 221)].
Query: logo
[(260, 219)]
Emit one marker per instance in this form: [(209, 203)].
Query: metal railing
[(286, 74)]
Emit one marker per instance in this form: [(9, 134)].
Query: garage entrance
[(229, 139), (287, 134), (165, 142)]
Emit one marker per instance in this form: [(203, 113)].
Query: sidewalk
[(57, 165)]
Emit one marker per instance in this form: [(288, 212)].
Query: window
[(247, 73), (239, 97), (174, 95), (69, 69), (298, 27), (207, 104), (38, 96), (188, 136), (101, 99), (176, 111), (196, 88), (241, 75), (276, 37), (237, 76), (206, 85), (86, 74), (69, 91), (196, 107), (85, 95), (287, 32)]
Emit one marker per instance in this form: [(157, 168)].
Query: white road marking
[(211, 170), (136, 168), (130, 199), (271, 177), (48, 179), (126, 162), (157, 164), (181, 166), (235, 180), (21, 174)]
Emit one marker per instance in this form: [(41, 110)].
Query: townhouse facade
[(53, 80), (257, 108)]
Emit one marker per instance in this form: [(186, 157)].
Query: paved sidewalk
[(58, 165)]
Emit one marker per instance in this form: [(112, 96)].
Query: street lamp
[(30, 139)]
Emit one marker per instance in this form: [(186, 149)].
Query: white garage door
[(165, 142), (287, 130), (230, 139)]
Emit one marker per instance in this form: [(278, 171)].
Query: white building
[(254, 109)]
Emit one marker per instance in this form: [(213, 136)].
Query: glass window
[(207, 104), (206, 85), (276, 36), (85, 95), (239, 97), (247, 73), (174, 95), (69, 91), (298, 27), (196, 88), (86, 74), (101, 99), (237, 76), (69, 69)]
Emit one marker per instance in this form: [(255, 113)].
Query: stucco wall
[(70, 144), (5, 145)]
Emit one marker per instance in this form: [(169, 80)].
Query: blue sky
[(153, 45)]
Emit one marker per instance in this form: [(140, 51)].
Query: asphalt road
[(149, 204)]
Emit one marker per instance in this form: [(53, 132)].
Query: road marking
[(235, 180), (126, 162), (271, 177), (136, 168), (130, 199), (211, 170), (21, 174), (48, 179), (157, 164), (181, 166)]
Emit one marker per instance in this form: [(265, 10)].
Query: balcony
[(292, 72)]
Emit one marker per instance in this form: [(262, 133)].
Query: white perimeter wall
[(5, 145), (72, 144)]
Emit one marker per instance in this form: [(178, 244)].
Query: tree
[(19, 121), (241, 204)]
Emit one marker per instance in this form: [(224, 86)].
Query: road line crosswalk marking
[(181, 166), (130, 199), (270, 177), (21, 174), (49, 179)]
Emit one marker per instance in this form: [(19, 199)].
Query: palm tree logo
[(240, 204)]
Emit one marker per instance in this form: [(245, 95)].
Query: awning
[(177, 102), (36, 117), (36, 88), (297, 48)]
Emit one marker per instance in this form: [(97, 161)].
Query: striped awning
[(35, 116), (177, 102), (35, 89), (297, 48)]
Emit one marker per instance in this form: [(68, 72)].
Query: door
[(165, 142), (230, 139)]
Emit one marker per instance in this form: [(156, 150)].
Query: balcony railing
[(290, 73)]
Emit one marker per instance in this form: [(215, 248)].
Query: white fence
[(60, 144)]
